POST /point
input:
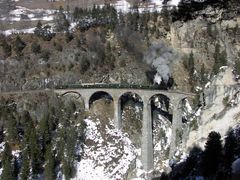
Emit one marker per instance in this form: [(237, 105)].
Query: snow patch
[(16, 31), (25, 14), (108, 153)]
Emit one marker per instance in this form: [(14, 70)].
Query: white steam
[(157, 79), (160, 56)]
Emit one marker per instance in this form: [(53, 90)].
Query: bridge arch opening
[(161, 107), (188, 120), (101, 103), (131, 114), (185, 120), (185, 107), (162, 117), (73, 102), (74, 94)]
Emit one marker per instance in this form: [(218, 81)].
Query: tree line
[(214, 162), (47, 148)]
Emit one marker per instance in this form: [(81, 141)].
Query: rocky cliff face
[(221, 110), (201, 35)]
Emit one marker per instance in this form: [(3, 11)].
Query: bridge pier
[(86, 99), (147, 139), (176, 126), (117, 113)]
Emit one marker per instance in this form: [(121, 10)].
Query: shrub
[(43, 32), (19, 45), (45, 55), (85, 64), (69, 37), (7, 49), (59, 47), (194, 124), (237, 65), (179, 135), (225, 100), (36, 48)]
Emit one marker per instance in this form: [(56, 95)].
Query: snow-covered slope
[(153, 5), (108, 153), (24, 14)]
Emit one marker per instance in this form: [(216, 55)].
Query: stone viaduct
[(146, 95)]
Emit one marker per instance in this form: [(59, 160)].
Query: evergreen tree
[(216, 56), (49, 171), (191, 69), (15, 168), (61, 22), (25, 170), (45, 133), (223, 58), (39, 29), (75, 15), (237, 66), (130, 20), (7, 49), (229, 150), (209, 29), (202, 74), (94, 11), (43, 32), (121, 19), (212, 155), (19, 45), (35, 154), (157, 35), (191, 65), (69, 136), (7, 173), (85, 64), (31, 143), (164, 176), (1, 134), (67, 169), (220, 59), (135, 20), (154, 16), (12, 134), (165, 18), (69, 37), (36, 48)]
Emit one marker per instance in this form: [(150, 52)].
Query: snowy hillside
[(153, 5), (108, 153), (26, 15)]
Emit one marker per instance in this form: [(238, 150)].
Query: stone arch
[(135, 96), (161, 118), (107, 103), (185, 107), (180, 128), (131, 114), (74, 100), (78, 95), (98, 95), (162, 104)]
